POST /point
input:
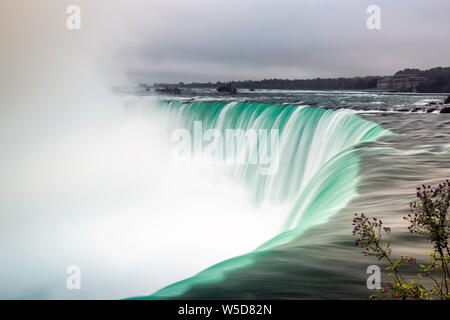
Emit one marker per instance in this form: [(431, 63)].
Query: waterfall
[(318, 170)]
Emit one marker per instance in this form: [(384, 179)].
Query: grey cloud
[(258, 39)]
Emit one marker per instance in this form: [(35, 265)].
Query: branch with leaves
[(429, 218)]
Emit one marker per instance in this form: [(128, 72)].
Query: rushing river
[(107, 196)]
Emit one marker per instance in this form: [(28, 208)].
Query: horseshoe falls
[(317, 174), (108, 194)]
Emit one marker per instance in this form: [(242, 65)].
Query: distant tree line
[(358, 83), (436, 80)]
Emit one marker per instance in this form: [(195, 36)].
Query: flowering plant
[(429, 217)]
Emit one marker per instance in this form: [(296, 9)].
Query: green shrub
[(429, 218)]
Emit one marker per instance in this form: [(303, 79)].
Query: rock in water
[(445, 109), (447, 101), (227, 88)]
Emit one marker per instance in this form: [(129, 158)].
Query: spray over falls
[(317, 175)]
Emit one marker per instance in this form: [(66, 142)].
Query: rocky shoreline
[(439, 107)]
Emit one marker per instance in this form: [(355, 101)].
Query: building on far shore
[(400, 83)]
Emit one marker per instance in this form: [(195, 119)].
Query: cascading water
[(317, 174)]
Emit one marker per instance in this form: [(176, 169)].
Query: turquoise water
[(318, 167), (103, 193)]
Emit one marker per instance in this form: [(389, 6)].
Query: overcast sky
[(221, 40), (209, 40)]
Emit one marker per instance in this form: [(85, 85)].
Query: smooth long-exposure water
[(104, 194), (322, 261)]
